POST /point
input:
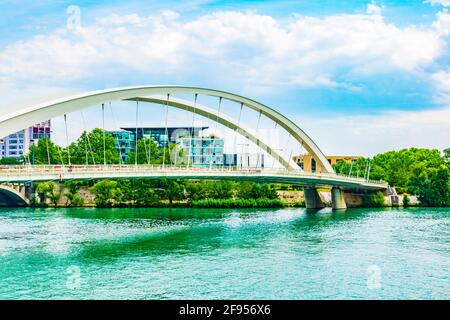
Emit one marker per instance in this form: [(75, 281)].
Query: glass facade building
[(162, 135), (124, 141), (203, 151)]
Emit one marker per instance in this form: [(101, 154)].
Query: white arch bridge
[(165, 95)]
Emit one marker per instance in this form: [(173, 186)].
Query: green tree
[(147, 153), (396, 167), (173, 190), (73, 198), (432, 185), (53, 193), (210, 190), (250, 190), (447, 155), (48, 190), (42, 190), (89, 148), (106, 193), (10, 161), (139, 192), (46, 152)]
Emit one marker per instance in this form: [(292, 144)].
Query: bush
[(406, 202), (374, 200), (106, 193), (9, 161)]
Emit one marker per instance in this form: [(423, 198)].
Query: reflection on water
[(214, 253)]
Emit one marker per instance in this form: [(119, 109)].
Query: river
[(224, 254)]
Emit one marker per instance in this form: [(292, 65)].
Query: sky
[(360, 77)]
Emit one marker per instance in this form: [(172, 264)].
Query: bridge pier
[(312, 199), (337, 199)]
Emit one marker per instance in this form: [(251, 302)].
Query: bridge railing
[(65, 169)]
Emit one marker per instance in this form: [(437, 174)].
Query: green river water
[(224, 254)]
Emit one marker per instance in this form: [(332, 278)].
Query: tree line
[(415, 171), (160, 192)]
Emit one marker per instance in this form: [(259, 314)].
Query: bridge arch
[(9, 197), (23, 118)]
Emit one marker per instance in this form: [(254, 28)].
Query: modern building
[(250, 160), (40, 130), (203, 151), (124, 142), (309, 164), (162, 135), (17, 144)]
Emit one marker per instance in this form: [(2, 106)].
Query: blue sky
[(357, 62)]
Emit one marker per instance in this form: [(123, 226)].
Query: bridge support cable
[(27, 158), (273, 158), (104, 134), (287, 145), (365, 170), (351, 167), (116, 138), (48, 152), (258, 154), (136, 136), (235, 131), (166, 143), (60, 155), (192, 133), (290, 156), (88, 141), (67, 140), (142, 130), (148, 151), (211, 145)]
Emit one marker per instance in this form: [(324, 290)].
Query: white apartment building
[(17, 144)]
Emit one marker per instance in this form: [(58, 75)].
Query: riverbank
[(163, 193)]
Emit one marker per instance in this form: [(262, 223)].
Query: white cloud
[(368, 135), (445, 3), (258, 49), (254, 52), (442, 79), (372, 8)]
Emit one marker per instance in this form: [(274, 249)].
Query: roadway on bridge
[(25, 174)]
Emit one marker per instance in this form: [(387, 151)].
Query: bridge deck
[(23, 174)]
